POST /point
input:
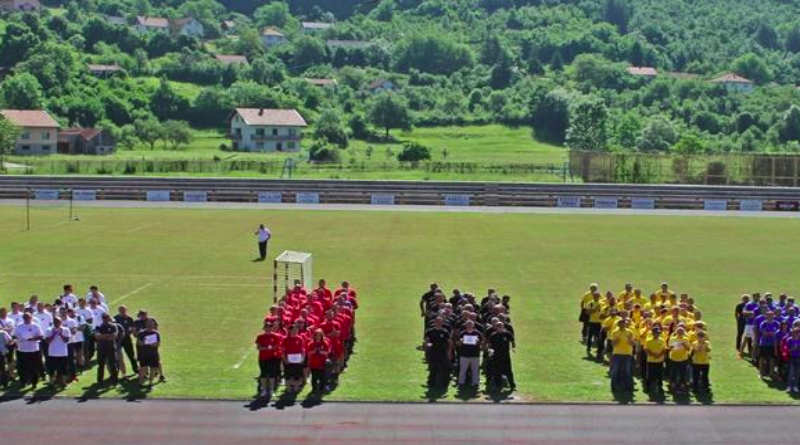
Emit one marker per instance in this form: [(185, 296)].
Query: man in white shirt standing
[(57, 338), (264, 236), (95, 294), (87, 325), (68, 297), (29, 356), (16, 313)]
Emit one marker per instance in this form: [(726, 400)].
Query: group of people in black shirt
[(57, 341), (459, 330)]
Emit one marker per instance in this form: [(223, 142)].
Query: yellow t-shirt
[(641, 301), (622, 346), (593, 309), (587, 297), (679, 348), (610, 323), (701, 357), (655, 345)]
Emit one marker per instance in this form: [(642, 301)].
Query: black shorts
[(77, 346), (766, 351), (57, 365), (293, 371), (149, 359), (270, 369)]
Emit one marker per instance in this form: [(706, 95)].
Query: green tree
[(617, 12), (177, 133), (752, 67), (329, 127), (18, 43), (587, 125), (628, 130), (148, 131), (790, 125), (22, 92), (432, 53), (389, 111), (658, 135), (384, 12), (690, 143), (792, 42), (414, 152), (165, 103), (308, 51), (275, 14), (8, 139)]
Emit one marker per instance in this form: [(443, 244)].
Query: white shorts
[(748, 331)]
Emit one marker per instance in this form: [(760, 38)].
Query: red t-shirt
[(271, 340), (294, 345), (316, 360)]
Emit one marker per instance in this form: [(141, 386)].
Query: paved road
[(229, 423), (401, 208)]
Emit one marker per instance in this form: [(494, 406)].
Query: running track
[(229, 423)]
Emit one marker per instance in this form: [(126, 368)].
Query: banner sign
[(382, 199), (572, 202), (606, 203), (751, 205), (457, 200), (307, 198), (787, 206), (49, 195), (84, 195), (195, 196), (715, 204), (643, 203), (270, 197), (158, 195)]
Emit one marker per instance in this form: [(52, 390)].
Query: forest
[(558, 67)]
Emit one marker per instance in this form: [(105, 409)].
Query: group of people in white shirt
[(57, 342)]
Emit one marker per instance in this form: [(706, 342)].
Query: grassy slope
[(208, 295)]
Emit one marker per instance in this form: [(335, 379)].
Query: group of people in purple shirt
[(768, 332)]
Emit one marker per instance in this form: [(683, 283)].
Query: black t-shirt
[(438, 338), (141, 325), (106, 328), (470, 344), (143, 335), (738, 312), (428, 297), (126, 321), (501, 343)]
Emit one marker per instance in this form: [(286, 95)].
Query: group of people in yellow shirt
[(645, 336)]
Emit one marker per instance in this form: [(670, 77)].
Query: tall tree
[(792, 43), (388, 111), (587, 125), (8, 139), (752, 67), (22, 92), (617, 12)]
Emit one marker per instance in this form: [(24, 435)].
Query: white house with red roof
[(643, 71), (145, 24), (38, 131), (734, 82), (272, 37), (264, 129)]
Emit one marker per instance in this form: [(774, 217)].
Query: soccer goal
[(290, 266)]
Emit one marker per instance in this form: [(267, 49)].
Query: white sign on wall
[(195, 196), (49, 195), (751, 205), (643, 203), (158, 195), (456, 200), (606, 203), (382, 199), (84, 195), (715, 204), (270, 197), (572, 202), (307, 198)]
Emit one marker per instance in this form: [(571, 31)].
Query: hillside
[(562, 68)]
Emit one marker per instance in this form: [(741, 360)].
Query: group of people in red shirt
[(307, 333)]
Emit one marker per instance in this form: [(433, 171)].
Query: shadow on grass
[(466, 393), (434, 393), (624, 397)]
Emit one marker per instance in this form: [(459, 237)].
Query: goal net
[(291, 266)]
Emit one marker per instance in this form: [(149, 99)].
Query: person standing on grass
[(269, 345), (439, 354), (6, 342), (701, 364), (68, 297), (584, 315), (319, 348), (470, 342), (738, 314), (148, 341), (656, 349), (793, 346), (622, 343), (7, 325), (500, 344), (126, 322), (294, 349), (264, 236), (29, 356), (679, 350), (140, 324), (593, 311), (767, 332), (106, 339), (57, 338)]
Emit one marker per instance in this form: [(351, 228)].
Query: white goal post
[(290, 266)]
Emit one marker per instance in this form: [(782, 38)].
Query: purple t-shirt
[(750, 307), (792, 343), (765, 329)]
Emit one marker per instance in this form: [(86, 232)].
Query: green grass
[(209, 296)]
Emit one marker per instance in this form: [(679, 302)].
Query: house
[(38, 131), (733, 82), (86, 141), (643, 71), (260, 129), (271, 37), (189, 27), (348, 44), (116, 20), (146, 24), (382, 85), (314, 27), (20, 5), (231, 59), (323, 83), (228, 26), (104, 71)]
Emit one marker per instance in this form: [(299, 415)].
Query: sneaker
[(264, 393), (162, 379)]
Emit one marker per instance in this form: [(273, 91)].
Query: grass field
[(192, 269)]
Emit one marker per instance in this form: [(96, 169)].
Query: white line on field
[(138, 228), (222, 284), (131, 293), (244, 358)]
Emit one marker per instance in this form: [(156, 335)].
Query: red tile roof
[(731, 78), (642, 71), (94, 68), (30, 118), (322, 82), (231, 59), (267, 116), (86, 133)]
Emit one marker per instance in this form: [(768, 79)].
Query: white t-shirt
[(69, 299), (101, 299), (24, 333), (44, 318), (57, 340), (85, 313), (5, 339), (7, 324), (16, 318), (73, 326), (264, 235), (97, 316)]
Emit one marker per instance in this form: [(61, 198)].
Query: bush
[(321, 152), (414, 152)]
